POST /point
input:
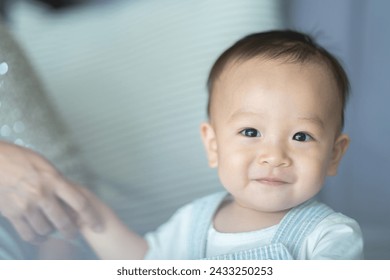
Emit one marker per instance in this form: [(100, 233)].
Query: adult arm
[(34, 197)]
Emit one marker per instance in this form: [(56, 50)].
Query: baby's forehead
[(241, 75), (238, 70)]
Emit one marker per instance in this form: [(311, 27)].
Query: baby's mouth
[(271, 181)]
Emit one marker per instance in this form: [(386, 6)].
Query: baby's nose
[(274, 155)]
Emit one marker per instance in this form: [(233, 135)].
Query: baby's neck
[(232, 218)]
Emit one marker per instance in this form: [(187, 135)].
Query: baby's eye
[(250, 132), (302, 137)]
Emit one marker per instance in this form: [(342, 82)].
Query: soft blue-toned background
[(129, 79), (358, 32)]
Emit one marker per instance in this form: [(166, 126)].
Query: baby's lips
[(275, 181)]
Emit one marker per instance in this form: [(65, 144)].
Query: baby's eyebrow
[(247, 113), (316, 120), (244, 113)]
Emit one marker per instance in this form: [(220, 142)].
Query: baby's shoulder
[(336, 237), (337, 225), (214, 198), (337, 219), (201, 204)]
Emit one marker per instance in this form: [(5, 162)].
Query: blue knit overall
[(286, 243)]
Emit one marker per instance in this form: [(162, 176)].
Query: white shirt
[(335, 237)]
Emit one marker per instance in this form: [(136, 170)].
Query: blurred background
[(128, 79)]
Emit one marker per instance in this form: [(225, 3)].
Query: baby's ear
[(340, 147), (210, 143)]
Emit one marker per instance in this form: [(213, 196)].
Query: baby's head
[(276, 113)]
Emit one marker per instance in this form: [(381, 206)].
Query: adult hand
[(37, 199)]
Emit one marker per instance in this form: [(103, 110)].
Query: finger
[(38, 222), (24, 230), (76, 198), (56, 214)]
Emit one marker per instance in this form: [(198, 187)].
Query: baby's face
[(274, 132)]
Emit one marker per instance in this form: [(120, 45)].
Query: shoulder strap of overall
[(203, 212), (299, 223)]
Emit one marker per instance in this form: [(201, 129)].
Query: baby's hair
[(293, 46)]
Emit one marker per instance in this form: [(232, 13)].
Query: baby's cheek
[(233, 172), (313, 172)]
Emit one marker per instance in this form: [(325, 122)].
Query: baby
[(276, 114)]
